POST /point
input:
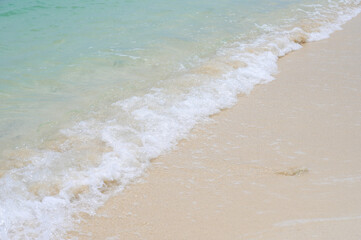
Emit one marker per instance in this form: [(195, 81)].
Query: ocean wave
[(44, 192)]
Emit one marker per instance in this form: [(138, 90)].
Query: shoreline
[(281, 163)]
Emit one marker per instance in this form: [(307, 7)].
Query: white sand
[(284, 163)]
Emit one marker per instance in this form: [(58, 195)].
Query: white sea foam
[(101, 155)]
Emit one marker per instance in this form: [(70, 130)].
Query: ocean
[(92, 91)]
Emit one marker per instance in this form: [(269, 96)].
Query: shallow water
[(64, 56), (58, 53), (91, 91)]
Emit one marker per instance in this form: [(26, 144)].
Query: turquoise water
[(91, 91), (66, 54)]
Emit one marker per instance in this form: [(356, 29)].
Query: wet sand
[(284, 163)]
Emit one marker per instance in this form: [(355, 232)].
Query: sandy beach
[(284, 163)]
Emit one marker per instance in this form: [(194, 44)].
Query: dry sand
[(284, 163)]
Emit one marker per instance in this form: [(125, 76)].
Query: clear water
[(90, 91), (65, 55)]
